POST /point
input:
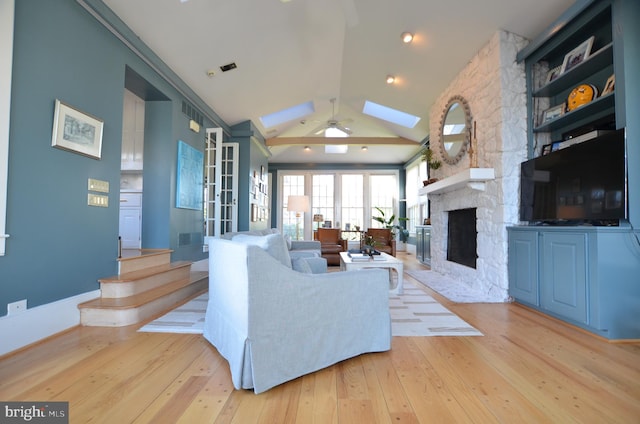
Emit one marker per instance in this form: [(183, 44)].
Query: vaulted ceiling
[(292, 52)]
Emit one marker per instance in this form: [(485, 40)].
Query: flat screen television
[(582, 184)]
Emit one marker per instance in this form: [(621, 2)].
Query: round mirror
[(455, 129)]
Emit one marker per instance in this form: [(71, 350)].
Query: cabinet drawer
[(130, 200)]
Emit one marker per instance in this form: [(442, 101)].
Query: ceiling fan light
[(335, 132), (407, 37)]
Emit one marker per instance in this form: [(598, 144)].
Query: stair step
[(135, 282), (137, 259), (119, 312)]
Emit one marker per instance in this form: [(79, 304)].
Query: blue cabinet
[(423, 244), (523, 274), (563, 286), (587, 276)]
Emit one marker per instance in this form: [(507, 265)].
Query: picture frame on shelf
[(553, 113), (546, 149), (609, 86), (327, 224), (577, 55), (76, 131), (553, 74)]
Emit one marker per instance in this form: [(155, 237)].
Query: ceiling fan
[(333, 123)]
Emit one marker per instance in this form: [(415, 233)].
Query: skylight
[(336, 148), (286, 115), (390, 115)]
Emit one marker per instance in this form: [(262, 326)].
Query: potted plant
[(390, 223), (432, 163), (369, 244)]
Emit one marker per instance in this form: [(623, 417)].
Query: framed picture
[(546, 149), (189, 177), (553, 113), (577, 55), (609, 85), (327, 224), (76, 131), (553, 74)]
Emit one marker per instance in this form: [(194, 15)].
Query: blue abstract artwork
[(190, 172)]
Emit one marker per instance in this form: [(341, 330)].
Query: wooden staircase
[(148, 284)]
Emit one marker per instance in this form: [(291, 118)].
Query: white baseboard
[(37, 323)]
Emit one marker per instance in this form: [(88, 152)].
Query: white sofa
[(274, 324)]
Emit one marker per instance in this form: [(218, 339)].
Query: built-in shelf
[(474, 178)]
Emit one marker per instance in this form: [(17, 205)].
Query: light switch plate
[(98, 200), (98, 185)]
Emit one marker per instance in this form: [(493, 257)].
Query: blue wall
[(59, 246)]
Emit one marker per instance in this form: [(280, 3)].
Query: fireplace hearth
[(462, 237)]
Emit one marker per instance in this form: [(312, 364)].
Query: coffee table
[(389, 262)]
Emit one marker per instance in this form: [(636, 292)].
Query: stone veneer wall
[(494, 86)]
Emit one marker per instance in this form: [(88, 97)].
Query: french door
[(220, 185)]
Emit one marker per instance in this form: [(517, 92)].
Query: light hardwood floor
[(527, 368)]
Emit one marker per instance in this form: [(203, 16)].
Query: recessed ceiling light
[(407, 37), (307, 148), (364, 148), (390, 79)]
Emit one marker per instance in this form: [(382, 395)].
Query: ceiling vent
[(228, 67)]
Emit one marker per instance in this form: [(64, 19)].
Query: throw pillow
[(273, 244), (301, 265)]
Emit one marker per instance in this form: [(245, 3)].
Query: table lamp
[(298, 204), (318, 217)]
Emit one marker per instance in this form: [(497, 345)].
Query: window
[(342, 197), (352, 210), (322, 199), (384, 192), (416, 205), (292, 185)]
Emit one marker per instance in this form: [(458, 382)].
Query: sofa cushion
[(273, 244)]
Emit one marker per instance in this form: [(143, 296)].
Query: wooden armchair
[(331, 244), (384, 241)]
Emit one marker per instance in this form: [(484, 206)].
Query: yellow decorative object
[(581, 95)]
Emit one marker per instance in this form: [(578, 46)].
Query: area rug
[(413, 313), (451, 289)]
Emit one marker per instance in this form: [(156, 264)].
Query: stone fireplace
[(493, 84)]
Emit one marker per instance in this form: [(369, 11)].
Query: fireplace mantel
[(474, 178)]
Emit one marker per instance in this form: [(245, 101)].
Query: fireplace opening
[(462, 237)]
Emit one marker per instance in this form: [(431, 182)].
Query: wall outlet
[(17, 307)]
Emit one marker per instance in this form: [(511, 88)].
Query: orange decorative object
[(581, 95)]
